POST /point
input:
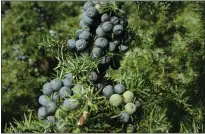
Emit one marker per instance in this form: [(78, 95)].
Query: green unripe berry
[(115, 100), (128, 96), (130, 108)]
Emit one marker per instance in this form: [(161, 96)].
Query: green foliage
[(164, 68), (163, 71), (23, 24)]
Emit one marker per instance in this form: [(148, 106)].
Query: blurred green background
[(164, 66)]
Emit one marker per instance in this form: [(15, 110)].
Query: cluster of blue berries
[(58, 93), (84, 35), (106, 36), (100, 34), (103, 36)]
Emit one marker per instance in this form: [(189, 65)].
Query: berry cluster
[(110, 38), (58, 93), (117, 96), (104, 36), (54, 93)]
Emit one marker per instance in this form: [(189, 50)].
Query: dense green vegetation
[(23, 24), (164, 67)]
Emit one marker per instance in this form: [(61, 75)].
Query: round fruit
[(101, 42), (104, 2), (137, 103), (42, 113), (112, 47), (95, 2), (123, 48), (56, 84), (51, 119), (105, 17), (87, 20), (69, 76), (87, 5), (119, 88), (97, 52), (115, 100), (118, 30), (67, 82), (107, 26), (65, 92), (43, 100), (86, 28), (85, 35), (81, 44), (97, 6), (82, 15), (100, 32), (51, 107), (93, 76), (108, 91), (114, 20), (47, 89), (130, 108), (78, 32), (117, 42), (92, 12), (71, 44), (70, 104), (128, 96), (124, 117), (81, 24), (55, 97)]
